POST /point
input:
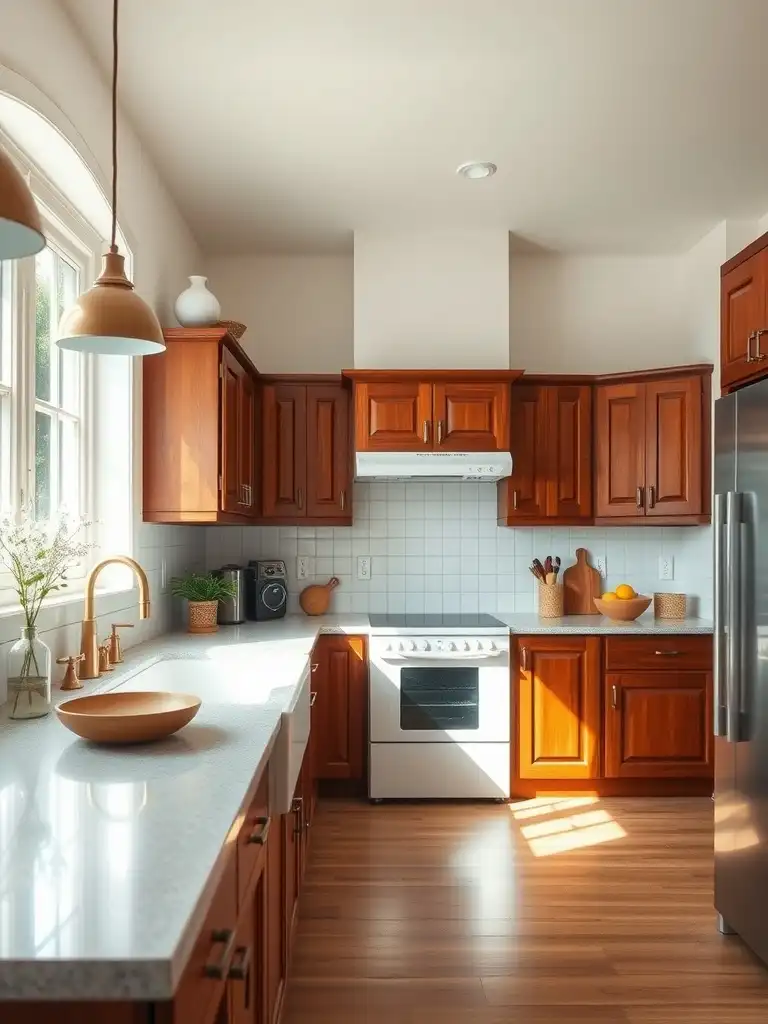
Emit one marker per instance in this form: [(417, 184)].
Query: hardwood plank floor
[(582, 910)]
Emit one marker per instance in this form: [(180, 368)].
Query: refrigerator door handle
[(719, 661), (734, 623)]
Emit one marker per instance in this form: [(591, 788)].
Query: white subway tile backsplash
[(434, 545)]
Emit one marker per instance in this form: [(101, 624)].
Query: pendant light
[(21, 233), (110, 318)]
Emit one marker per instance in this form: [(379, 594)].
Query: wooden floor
[(575, 910)]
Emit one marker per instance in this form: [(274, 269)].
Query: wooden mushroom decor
[(314, 600)]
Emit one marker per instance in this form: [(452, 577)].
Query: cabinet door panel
[(328, 454), (393, 416), (569, 415), (231, 387), (340, 711), (471, 417), (658, 725), (523, 495), (742, 311), (558, 707), (284, 414), (247, 444), (620, 450), (673, 461), (276, 947)]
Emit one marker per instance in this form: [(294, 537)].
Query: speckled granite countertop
[(108, 857), (599, 625)]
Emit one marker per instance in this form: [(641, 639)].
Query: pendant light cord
[(113, 246)]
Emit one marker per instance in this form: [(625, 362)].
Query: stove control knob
[(492, 646), (478, 645), (413, 645), (400, 648), (452, 646), (466, 645), (424, 645)]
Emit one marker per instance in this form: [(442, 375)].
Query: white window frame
[(76, 239)]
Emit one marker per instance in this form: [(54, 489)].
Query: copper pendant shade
[(21, 233), (110, 318)]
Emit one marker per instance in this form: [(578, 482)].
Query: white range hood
[(436, 466)]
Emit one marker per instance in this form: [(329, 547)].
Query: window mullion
[(23, 408)]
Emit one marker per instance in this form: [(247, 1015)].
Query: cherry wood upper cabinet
[(620, 450), (428, 410), (306, 454), (393, 416), (199, 430), (340, 712), (658, 725), (284, 450), (558, 712), (673, 447), (471, 417), (744, 313), (551, 444)]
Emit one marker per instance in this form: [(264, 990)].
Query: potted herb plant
[(202, 592), (37, 554)]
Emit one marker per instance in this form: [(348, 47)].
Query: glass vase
[(29, 676)]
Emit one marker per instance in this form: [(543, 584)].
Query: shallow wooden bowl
[(623, 611), (128, 717)]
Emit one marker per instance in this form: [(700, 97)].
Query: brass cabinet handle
[(667, 654), (439, 431), (514, 500), (639, 497), (241, 971), (249, 495), (343, 500), (260, 837), (315, 666), (300, 497), (425, 432), (312, 698), (298, 809), (759, 356), (224, 937), (651, 496), (614, 697), (750, 339), (524, 658)]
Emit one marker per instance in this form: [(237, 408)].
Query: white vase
[(196, 306)]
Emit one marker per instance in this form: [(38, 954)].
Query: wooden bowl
[(128, 717), (623, 611)]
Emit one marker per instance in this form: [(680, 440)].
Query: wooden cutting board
[(582, 583), (314, 600)]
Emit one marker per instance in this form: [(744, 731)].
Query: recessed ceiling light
[(477, 169)]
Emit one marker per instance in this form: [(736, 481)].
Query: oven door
[(439, 701)]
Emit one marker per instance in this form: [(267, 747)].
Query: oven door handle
[(436, 656)]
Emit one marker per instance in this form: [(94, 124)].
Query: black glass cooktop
[(458, 622)]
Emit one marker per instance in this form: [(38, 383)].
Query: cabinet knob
[(750, 339), (758, 356)]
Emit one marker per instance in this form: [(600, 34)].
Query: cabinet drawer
[(666, 653), (252, 838), (202, 984)]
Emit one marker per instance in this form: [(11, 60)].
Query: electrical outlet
[(364, 567), (666, 567), (303, 567), (601, 565)]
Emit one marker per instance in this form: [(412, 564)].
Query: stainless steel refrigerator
[(741, 665)]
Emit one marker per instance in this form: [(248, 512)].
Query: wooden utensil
[(128, 717), (582, 586), (314, 600)]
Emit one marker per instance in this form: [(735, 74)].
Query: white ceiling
[(617, 125)]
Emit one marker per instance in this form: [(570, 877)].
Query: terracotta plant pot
[(202, 616)]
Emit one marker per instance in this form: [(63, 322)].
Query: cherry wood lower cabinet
[(340, 710), (558, 707), (632, 712)]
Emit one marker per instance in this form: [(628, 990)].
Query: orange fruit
[(624, 592), (608, 596)]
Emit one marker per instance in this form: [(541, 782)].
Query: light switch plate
[(364, 567), (601, 565), (666, 567), (302, 567)]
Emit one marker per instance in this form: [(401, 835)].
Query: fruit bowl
[(626, 610)]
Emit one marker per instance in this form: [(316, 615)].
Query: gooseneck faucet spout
[(89, 639)]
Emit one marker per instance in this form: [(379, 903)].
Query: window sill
[(75, 595)]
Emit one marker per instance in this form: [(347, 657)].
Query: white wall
[(56, 74), (432, 299), (298, 309)]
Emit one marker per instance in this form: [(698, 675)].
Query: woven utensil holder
[(669, 606), (551, 600)]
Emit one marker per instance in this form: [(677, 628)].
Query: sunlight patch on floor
[(561, 832), (542, 805)]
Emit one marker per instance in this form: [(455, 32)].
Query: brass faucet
[(89, 643)]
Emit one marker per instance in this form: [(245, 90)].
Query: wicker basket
[(235, 329), (202, 616), (551, 600), (669, 606)]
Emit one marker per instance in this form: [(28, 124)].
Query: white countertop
[(108, 857)]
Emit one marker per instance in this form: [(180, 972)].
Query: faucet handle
[(70, 680), (104, 665), (115, 647)]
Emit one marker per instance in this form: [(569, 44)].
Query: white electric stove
[(439, 707)]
